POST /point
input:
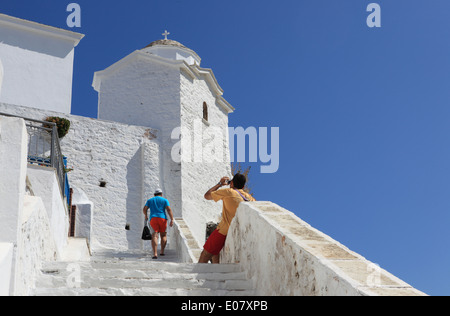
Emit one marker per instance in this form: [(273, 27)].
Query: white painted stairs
[(137, 274)]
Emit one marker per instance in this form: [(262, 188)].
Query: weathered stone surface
[(137, 274), (286, 256)]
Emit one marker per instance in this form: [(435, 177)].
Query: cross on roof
[(165, 34)]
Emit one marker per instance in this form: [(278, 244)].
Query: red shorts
[(158, 224), (215, 243)]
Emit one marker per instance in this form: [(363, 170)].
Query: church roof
[(166, 42), (171, 43)]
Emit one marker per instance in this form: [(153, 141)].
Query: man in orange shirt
[(231, 199)]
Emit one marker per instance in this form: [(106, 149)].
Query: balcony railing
[(43, 147)]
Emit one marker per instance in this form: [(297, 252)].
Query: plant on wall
[(62, 124)]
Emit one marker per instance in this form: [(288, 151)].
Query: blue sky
[(364, 113)]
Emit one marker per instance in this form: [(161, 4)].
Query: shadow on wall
[(134, 216)]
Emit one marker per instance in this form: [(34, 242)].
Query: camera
[(228, 182)]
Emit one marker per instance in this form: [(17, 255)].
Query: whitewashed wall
[(1, 76), (174, 53), (141, 91), (37, 64), (209, 158), (147, 91), (6, 257), (125, 157), (84, 213), (286, 256), (45, 185), (13, 149), (24, 221), (36, 245), (152, 87)]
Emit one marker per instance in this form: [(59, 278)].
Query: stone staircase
[(136, 274)]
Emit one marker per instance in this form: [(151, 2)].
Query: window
[(205, 111)]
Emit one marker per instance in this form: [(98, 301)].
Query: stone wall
[(6, 257), (36, 245), (24, 224), (207, 159), (147, 90), (117, 167), (45, 185), (140, 91), (286, 256)]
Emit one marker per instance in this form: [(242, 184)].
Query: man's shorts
[(215, 243), (158, 224)]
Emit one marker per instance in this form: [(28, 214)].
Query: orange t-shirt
[(231, 200)]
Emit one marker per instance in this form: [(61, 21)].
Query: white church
[(153, 107)]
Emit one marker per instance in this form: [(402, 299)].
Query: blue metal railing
[(43, 147)]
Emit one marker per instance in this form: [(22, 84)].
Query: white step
[(172, 281), (144, 266), (143, 274), (138, 274), (137, 292)]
